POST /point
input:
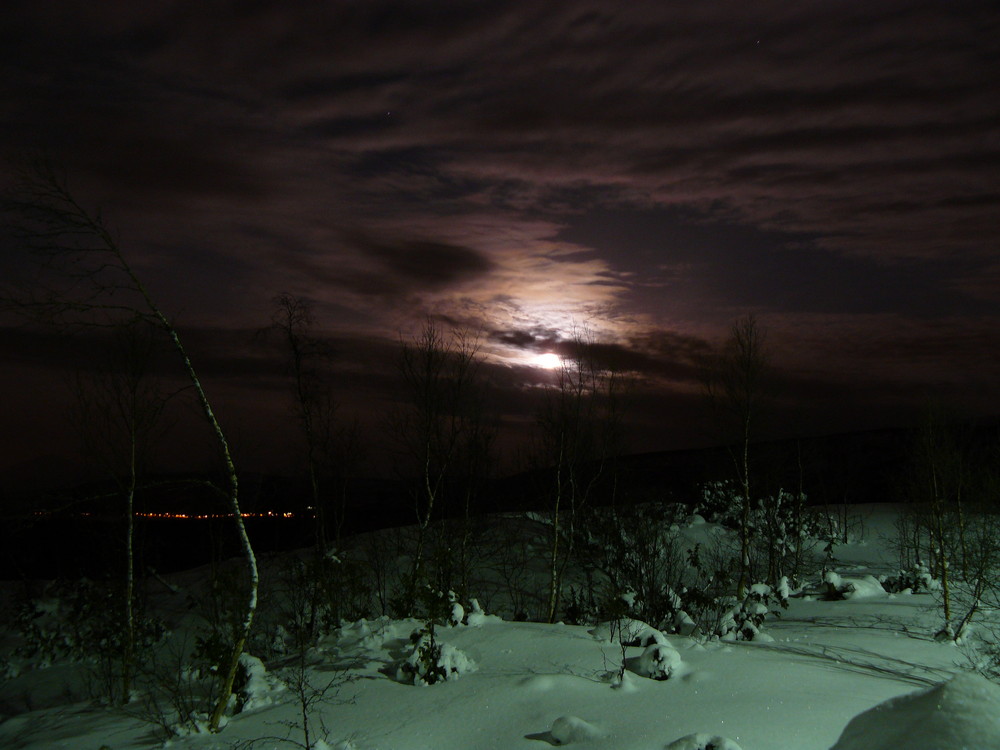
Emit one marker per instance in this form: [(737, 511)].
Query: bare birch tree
[(119, 413), (734, 386), (579, 428), (86, 279), (315, 408), (440, 428), (939, 482)]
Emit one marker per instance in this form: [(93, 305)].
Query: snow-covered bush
[(176, 694), (476, 617), (841, 587), (434, 605), (745, 622), (221, 608), (659, 661), (82, 621), (640, 557), (789, 532), (779, 528), (315, 595), (706, 599), (703, 742), (628, 632), (431, 662), (917, 579)]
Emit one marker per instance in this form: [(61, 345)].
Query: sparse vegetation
[(714, 567)]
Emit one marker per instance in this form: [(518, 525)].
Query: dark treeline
[(69, 537)]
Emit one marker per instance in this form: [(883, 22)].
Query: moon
[(548, 361)]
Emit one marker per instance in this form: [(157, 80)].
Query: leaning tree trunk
[(54, 217), (229, 670), (226, 689)]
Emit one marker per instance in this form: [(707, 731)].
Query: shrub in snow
[(439, 606), (716, 503), (745, 622), (83, 621), (778, 528), (581, 607), (703, 742), (316, 595), (962, 713), (706, 601), (476, 617), (211, 647), (918, 580), (457, 612), (788, 530), (839, 587), (659, 661), (254, 686), (628, 632), (567, 729), (638, 551), (222, 606), (431, 662)]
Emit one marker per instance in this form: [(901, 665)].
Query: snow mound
[(567, 729), (867, 587), (659, 661), (624, 681), (546, 683), (703, 742), (477, 618), (962, 713), (368, 635), (260, 686), (323, 745), (629, 632)]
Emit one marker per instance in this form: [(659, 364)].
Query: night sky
[(648, 171)]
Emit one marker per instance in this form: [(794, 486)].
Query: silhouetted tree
[(579, 425), (444, 433), (734, 386), (119, 411), (315, 407), (85, 279)]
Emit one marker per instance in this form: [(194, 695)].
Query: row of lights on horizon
[(194, 516)]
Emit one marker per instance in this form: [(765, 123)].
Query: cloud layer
[(647, 171)]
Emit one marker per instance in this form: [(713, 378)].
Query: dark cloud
[(425, 263), (739, 266)]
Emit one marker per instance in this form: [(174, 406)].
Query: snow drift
[(962, 713)]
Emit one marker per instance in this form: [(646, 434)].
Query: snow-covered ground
[(822, 680)]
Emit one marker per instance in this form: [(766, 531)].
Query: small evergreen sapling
[(745, 622), (430, 661)]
